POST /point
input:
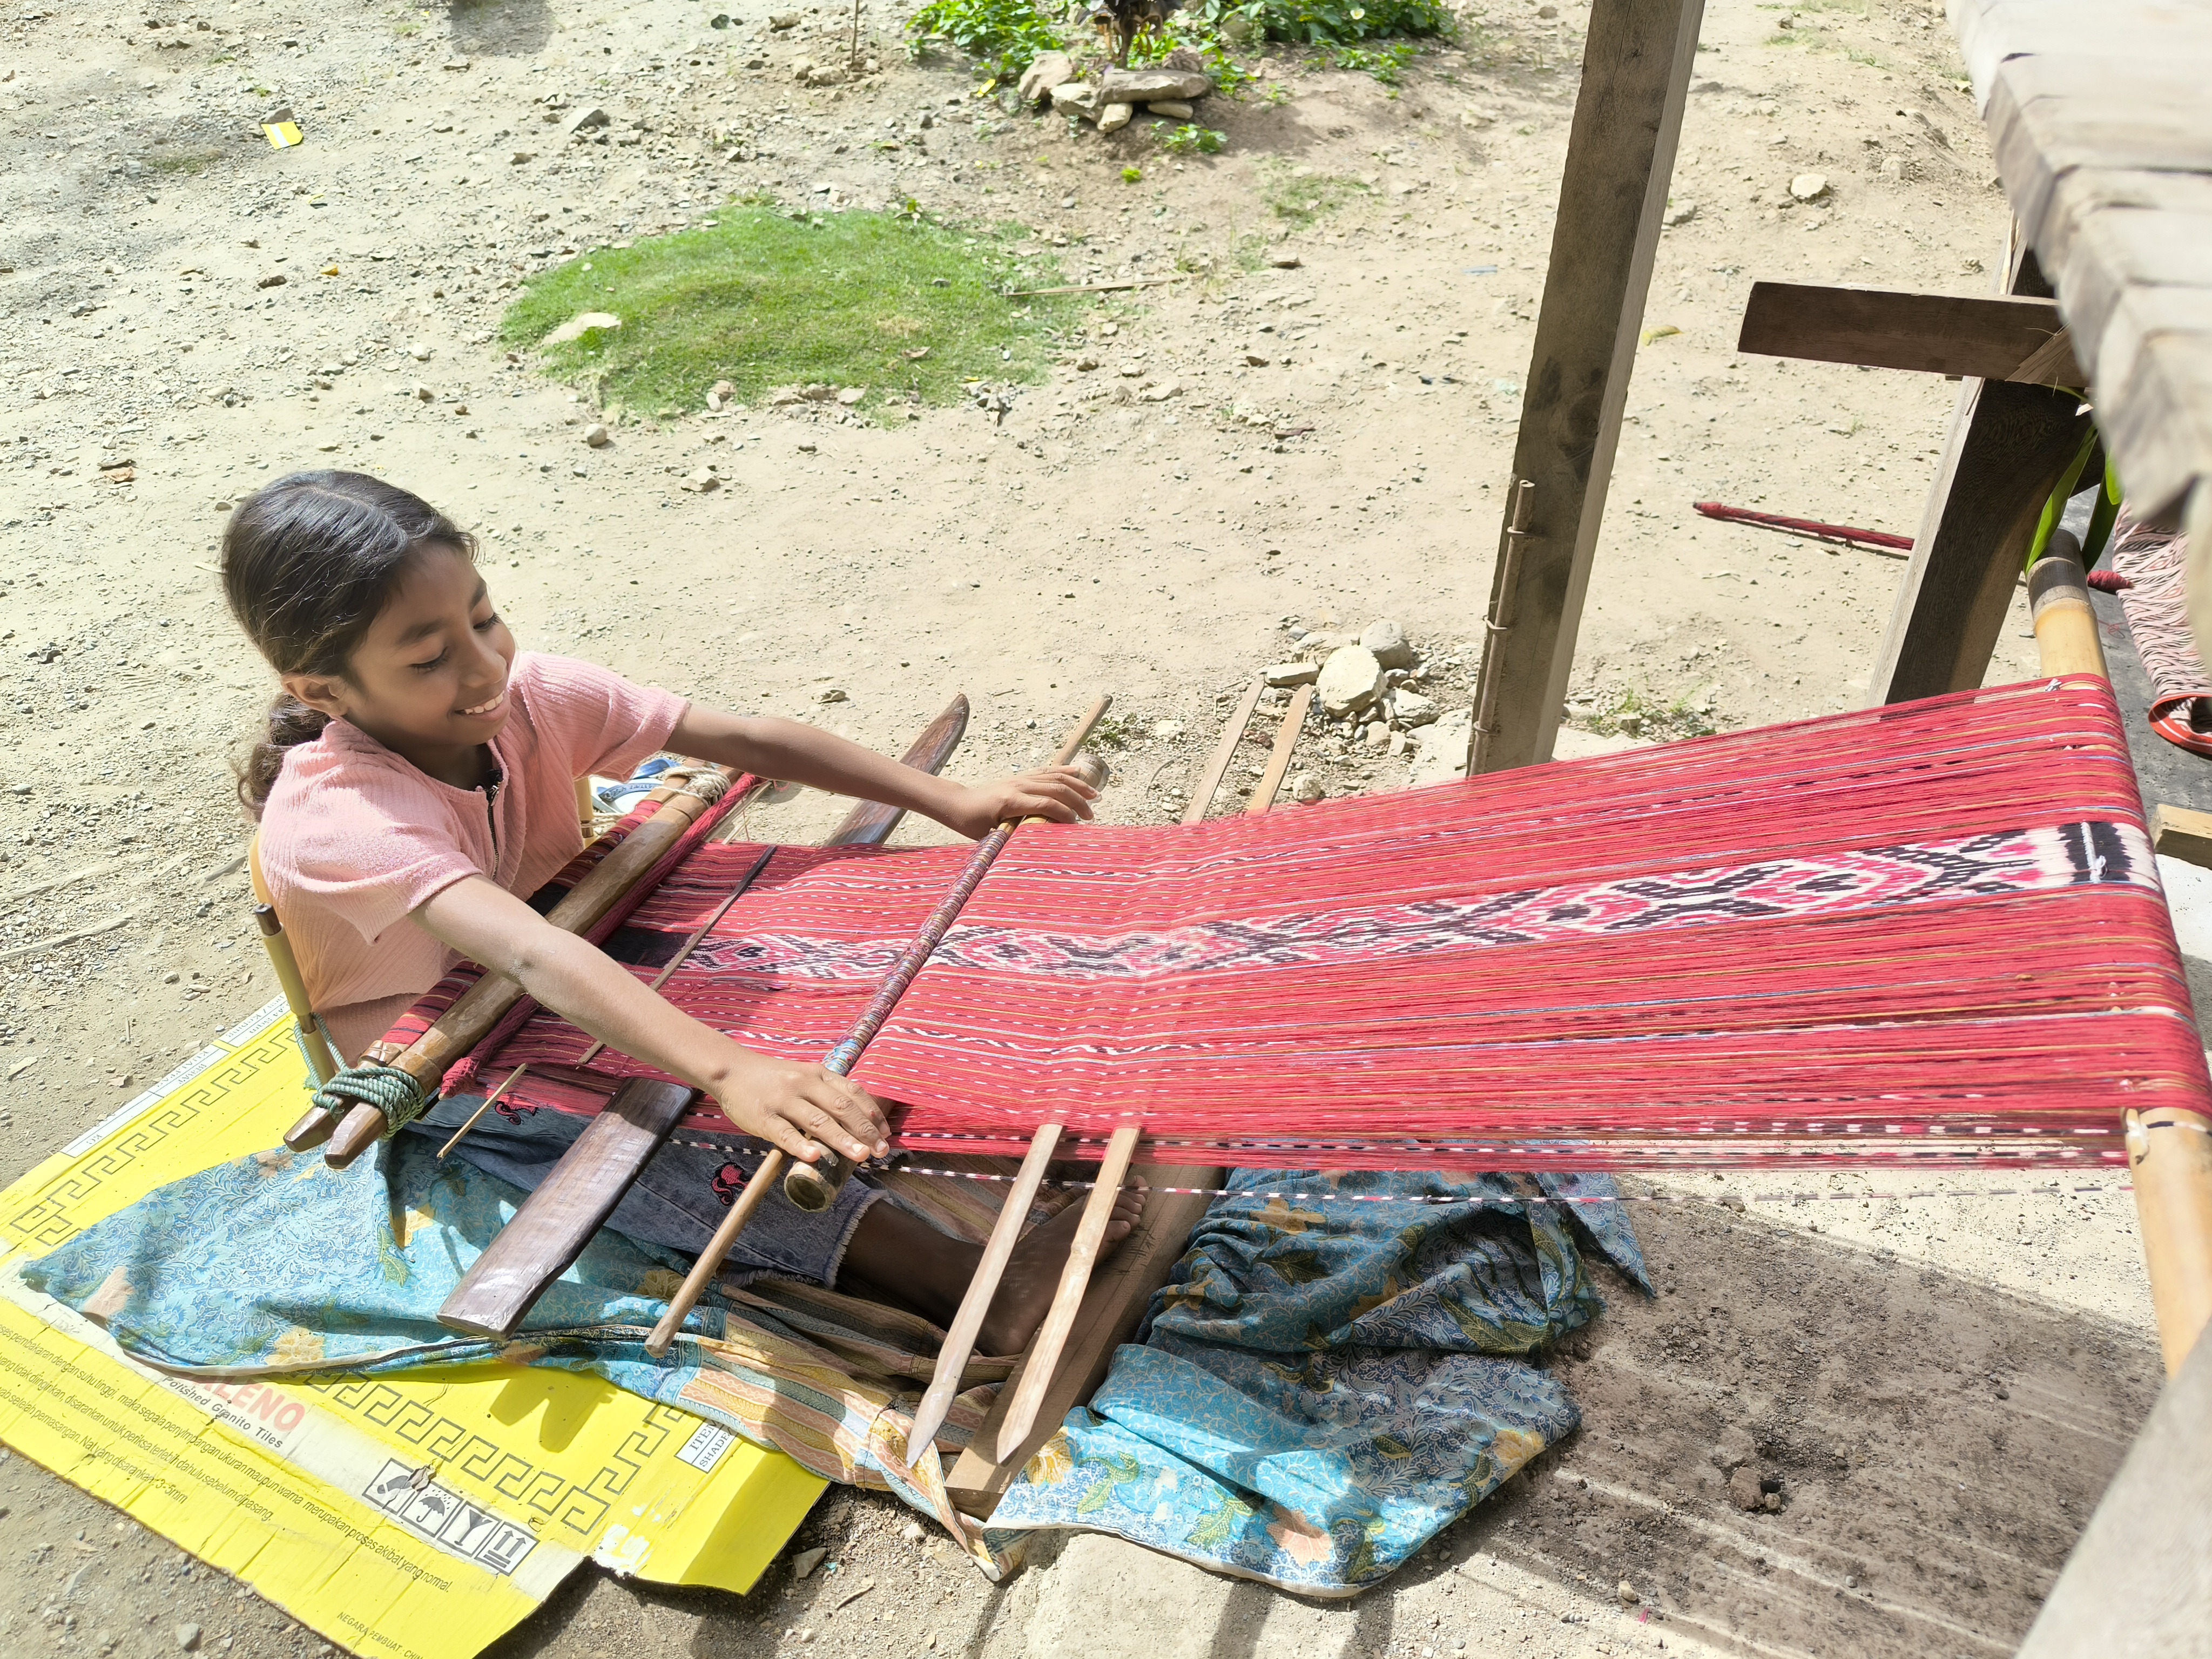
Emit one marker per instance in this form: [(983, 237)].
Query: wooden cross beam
[(1984, 336)]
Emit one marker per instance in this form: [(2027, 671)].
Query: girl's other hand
[(1056, 793), (792, 1104)]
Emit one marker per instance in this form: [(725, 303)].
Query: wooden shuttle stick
[(489, 1101), (464, 1024), (952, 1354), (1042, 1358), (718, 1247), (2169, 1150), (814, 1187)]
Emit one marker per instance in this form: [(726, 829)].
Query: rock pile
[(1369, 690), (1112, 102)]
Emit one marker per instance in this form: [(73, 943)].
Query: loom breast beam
[(462, 1026), (2169, 1150), (814, 1187), (555, 1221)]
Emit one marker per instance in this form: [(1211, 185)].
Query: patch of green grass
[(1303, 200), (182, 158), (894, 302), (1625, 712)]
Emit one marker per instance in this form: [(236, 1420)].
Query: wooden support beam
[(2006, 449), (1637, 59), (2003, 451), (1987, 337)]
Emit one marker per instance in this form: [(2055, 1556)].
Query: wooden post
[(2003, 454), (1637, 60), (2006, 449), (2169, 1150)]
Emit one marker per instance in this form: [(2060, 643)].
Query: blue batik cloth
[(1326, 1382)]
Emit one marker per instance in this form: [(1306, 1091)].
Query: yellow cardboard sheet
[(413, 1517)]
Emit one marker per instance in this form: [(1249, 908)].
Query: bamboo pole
[(2169, 1150), (321, 1060)]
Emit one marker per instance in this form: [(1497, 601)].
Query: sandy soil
[(1940, 1385)]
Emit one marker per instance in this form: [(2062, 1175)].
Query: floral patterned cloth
[(1321, 1389)]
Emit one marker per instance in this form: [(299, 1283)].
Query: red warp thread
[(461, 1076), (1926, 933)]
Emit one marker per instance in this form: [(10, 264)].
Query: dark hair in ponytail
[(308, 563)]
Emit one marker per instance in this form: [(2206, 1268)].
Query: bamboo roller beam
[(2169, 1150)]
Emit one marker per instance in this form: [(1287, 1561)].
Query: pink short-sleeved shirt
[(354, 837)]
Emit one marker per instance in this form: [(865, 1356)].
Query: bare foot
[(1033, 1274)]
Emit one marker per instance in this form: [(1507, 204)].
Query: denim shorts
[(681, 1197)]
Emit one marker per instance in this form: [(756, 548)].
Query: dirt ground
[(1940, 1385)]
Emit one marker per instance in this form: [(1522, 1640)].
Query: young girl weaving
[(417, 784)]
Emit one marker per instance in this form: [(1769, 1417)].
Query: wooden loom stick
[(1278, 759), (479, 1008), (489, 1101), (1051, 1337), (2169, 1150), (959, 1344), (692, 943), (718, 1247), (608, 1166), (814, 1187), (1224, 752)]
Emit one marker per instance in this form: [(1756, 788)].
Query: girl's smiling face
[(428, 679)]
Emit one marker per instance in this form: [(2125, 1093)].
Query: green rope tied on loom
[(399, 1096)]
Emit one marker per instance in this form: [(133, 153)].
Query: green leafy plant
[(907, 307), (1193, 32), (1133, 175), (1383, 61), (1191, 139), (1002, 36), (1332, 22)]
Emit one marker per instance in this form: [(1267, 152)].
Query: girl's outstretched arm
[(787, 1103), (792, 753)]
